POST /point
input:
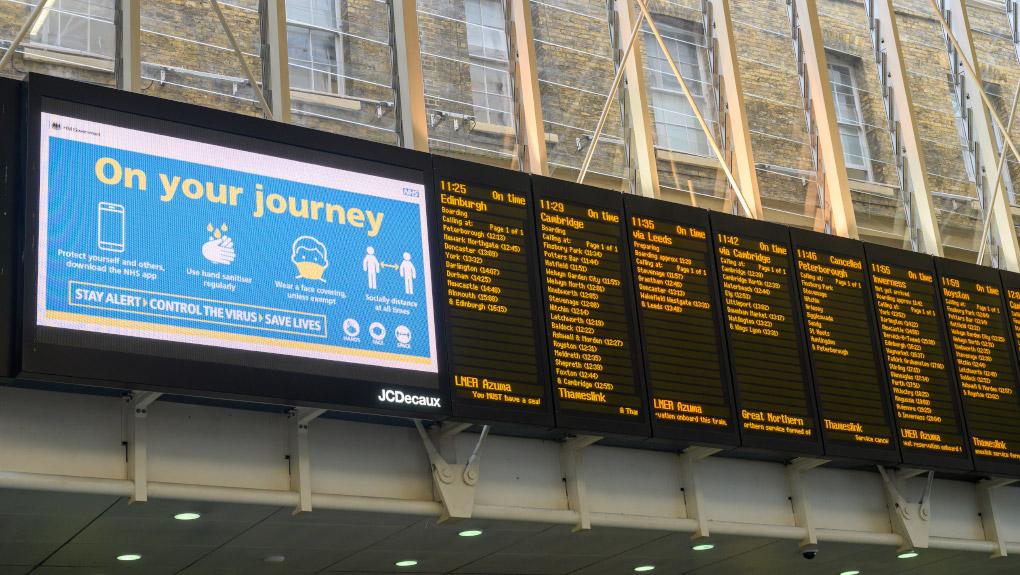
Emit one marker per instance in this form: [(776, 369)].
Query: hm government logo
[(395, 396), (55, 125)]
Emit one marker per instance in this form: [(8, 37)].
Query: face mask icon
[(310, 257)]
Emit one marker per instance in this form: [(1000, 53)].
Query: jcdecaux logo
[(395, 396)]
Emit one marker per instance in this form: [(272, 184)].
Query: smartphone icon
[(111, 227)]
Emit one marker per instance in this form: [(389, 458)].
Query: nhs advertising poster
[(159, 237)]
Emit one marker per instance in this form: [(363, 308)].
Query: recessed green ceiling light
[(851, 572), (406, 563), (908, 554), (470, 533), (189, 516), (703, 547), (643, 568), (129, 557)]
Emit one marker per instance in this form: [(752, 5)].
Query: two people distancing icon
[(371, 265)]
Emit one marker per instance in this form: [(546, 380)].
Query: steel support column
[(738, 134), (900, 109), (529, 98), (414, 127), (642, 144), (275, 69), (129, 52), (823, 111)]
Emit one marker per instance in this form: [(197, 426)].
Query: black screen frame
[(730, 224), (851, 248), (518, 182), (976, 273), (641, 206), (10, 187), (205, 377), (550, 188), (875, 253)]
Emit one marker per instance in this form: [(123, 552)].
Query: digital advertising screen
[(768, 355), (156, 233), (683, 347), (595, 370), (975, 312), (495, 332), (854, 411), (10, 170), (917, 358)]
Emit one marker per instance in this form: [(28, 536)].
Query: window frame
[(51, 16), (657, 90), (850, 63), (485, 63), (308, 30)]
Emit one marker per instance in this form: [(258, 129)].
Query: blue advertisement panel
[(160, 237)]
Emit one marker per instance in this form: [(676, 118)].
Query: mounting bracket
[(454, 482), (693, 498), (300, 460), (798, 495), (987, 511), (909, 520), (573, 477), (136, 408)]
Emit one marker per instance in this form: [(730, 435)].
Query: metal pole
[(998, 177), (529, 97), (823, 108), (275, 70), (266, 110), (609, 102), (129, 59), (643, 162), (694, 107), (414, 127), (9, 55)]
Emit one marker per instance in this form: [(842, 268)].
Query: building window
[(83, 27), (676, 127), (314, 46), (848, 116), (487, 49)]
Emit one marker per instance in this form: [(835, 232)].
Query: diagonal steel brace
[(454, 482), (911, 521)]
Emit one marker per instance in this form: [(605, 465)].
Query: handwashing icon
[(310, 257)]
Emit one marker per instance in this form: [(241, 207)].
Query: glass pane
[(1000, 72), (937, 114), (879, 204), (574, 55), (343, 80), (688, 169), (71, 38), (469, 93), (186, 56)]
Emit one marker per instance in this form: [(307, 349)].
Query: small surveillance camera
[(809, 551)]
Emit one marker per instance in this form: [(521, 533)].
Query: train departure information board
[(979, 334), (853, 402), (495, 346), (924, 397), (594, 376), (687, 378), (773, 394)]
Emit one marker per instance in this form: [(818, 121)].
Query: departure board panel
[(596, 379), (768, 361), (985, 366), (678, 310), (917, 361), (494, 328), (850, 387)]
